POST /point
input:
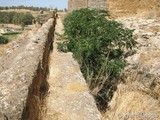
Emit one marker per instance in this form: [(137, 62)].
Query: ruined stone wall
[(136, 8), (77, 4), (23, 74), (97, 4), (121, 8)]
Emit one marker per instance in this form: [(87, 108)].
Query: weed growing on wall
[(98, 45)]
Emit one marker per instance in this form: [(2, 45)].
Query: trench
[(69, 97), (58, 90), (38, 90)]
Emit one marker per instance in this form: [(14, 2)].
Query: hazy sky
[(60, 4)]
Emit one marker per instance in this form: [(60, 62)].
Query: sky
[(60, 4)]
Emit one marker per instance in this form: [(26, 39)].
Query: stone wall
[(135, 8), (77, 4), (121, 8), (23, 74), (97, 4)]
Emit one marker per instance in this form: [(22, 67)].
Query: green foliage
[(16, 18), (11, 35), (98, 45), (24, 7), (60, 36), (62, 47), (3, 40)]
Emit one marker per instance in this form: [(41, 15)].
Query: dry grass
[(141, 92), (138, 95), (154, 29), (3, 48), (131, 102), (76, 87)]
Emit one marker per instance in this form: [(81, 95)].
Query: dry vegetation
[(140, 92), (2, 49), (128, 99)]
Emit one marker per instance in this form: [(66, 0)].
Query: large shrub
[(98, 45)]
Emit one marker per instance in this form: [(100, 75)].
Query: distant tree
[(37, 19), (65, 10), (10, 15), (6, 18), (27, 19), (22, 25), (24, 7), (41, 11), (16, 18), (56, 9), (6, 8)]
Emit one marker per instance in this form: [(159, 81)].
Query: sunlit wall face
[(76, 4), (95, 4)]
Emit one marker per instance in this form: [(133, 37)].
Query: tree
[(26, 19), (65, 10), (16, 18), (98, 44), (56, 9)]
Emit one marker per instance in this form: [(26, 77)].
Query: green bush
[(3, 40), (11, 33), (98, 45)]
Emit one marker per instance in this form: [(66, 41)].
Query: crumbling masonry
[(77, 4)]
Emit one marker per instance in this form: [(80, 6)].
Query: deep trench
[(38, 91), (39, 87)]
